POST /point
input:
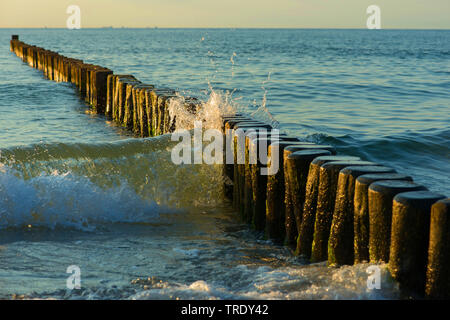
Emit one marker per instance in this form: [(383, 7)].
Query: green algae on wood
[(361, 211)]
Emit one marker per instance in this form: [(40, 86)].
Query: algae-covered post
[(343, 223), (295, 176), (361, 211), (290, 216), (251, 158), (306, 230), (259, 181), (239, 132), (328, 179), (275, 199), (242, 130), (410, 238), (438, 272), (381, 194), (228, 155)]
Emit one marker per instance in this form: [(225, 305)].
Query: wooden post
[(438, 270), (275, 207), (381, 194), (361, 211), (119, 93), (296, 168), (410, 238), (109, 94), (142, 110), (329, 173), (259, 181), (306, 231), (341, 242), (239, 137), (100, 91), (251, 159), (290, 218)]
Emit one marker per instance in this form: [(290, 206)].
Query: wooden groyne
[(325, 207)]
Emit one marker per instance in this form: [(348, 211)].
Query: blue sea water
[(76, 189)]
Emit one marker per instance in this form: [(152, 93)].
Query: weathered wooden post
[(123, 93), (290, 218), (242, 129), (129, 105), (109, 94), (238, 141), (89, 69), (13, 42), (228, 155), (341, 242), (139, 114), (329, 173), (410, 238), (142, 111), (251, 159), (100, 89), (57, 76), (306, 230), (239, 137), (260, 146), (158, 97), (381, 194), (45, 63), (275, 207), (149, 111), (361, 210), (119, 91), (296, 168), (162, 110), (50, 60), (438, 270), (135, 93), (83, 79)]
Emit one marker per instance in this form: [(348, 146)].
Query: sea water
[(75, 189)]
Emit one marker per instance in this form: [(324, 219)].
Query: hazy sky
[(226, 13)]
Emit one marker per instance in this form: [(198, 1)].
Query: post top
[(15, 37)]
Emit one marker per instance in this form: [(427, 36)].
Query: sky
[(403, 14)]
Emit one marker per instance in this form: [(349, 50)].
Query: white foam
[(315, 281), (189, 253), (63, 199), (218, 103)]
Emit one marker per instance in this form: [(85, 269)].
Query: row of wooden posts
[(341, 209), (130, 103), (326, 207)]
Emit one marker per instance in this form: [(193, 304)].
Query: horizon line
[(157, 27)]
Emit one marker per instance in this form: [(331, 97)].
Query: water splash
[(209, 112), (67, 200), (262, 112), (232, 63), (84, 185)]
